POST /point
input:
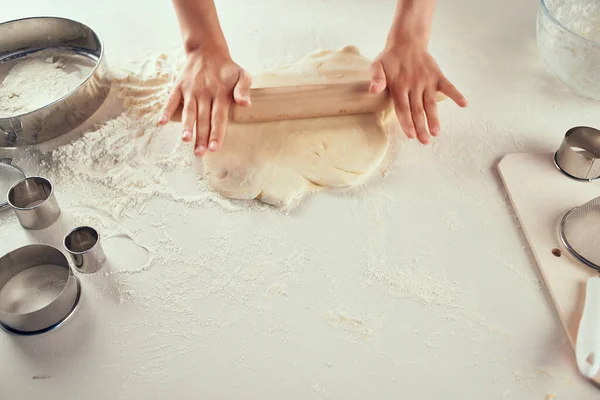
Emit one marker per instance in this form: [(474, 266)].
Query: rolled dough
[(277, 162)]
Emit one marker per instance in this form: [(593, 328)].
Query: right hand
[(208, 84)]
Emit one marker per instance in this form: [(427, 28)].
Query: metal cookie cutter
[(34, 202), (38, 290), (83, 244), (9, 174), (579, 154)]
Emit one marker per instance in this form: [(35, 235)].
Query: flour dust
[(40, 78)]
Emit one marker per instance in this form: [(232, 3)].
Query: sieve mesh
[(580, 232)]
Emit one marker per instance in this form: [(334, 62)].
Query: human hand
[(413, 78), (208, 84)]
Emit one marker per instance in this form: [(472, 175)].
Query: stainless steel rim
[(52, 327), (37, 205), (557, 165), (91, 93), (570, 249), (81, 252)]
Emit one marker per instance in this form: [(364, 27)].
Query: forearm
[(412, 22), (200, 27)]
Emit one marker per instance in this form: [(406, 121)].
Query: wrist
[(406, 40), (412, 23), (199, 44)]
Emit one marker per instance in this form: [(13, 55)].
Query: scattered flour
[(125, 162), (113, 171), (361, 328), (39, 79)]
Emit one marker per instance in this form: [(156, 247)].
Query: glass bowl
[(568, 39)]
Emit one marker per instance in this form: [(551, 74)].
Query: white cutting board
[(540, 195)]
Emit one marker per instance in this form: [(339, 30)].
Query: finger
[(402, 107), (173, 102), (241, 92), (417, 113), (431, 111), (451, 91), (189, 118), (378, 81), (202, 126), (220, 110)]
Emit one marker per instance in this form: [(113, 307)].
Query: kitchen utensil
[(569, 43), (24, 37), (578, 156), (540, 198), (83, 244), (308, 101), (9, 175), (38, 290), (34, 202), (579, 231)]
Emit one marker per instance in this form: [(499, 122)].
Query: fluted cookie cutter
[(38, 290), (34, 203), (83, 244), (578, 156)]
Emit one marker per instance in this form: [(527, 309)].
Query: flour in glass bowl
[(36, 80), (572, 51), (580, 16)]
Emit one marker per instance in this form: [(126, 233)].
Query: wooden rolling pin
[(309, 101)]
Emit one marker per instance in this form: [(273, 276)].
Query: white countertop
[(420, 287)]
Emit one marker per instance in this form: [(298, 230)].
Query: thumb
[(378, 83), (241, 92)]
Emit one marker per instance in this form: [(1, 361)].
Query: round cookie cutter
[(83, 244), (9, 175), (578, 156), (34, 202), (23, 37), (38, 290)]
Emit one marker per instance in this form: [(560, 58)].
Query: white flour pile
[(39, 79)]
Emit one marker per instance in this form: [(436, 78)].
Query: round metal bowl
[(569, 43), (38, 290), (23, 38)]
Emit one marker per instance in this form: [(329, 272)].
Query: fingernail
[(412, 134), (187, 135), (435, 131), (246, 99), (163, 119), (213, 145), (199, 150)]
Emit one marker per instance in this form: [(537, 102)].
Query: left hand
[(413, 78)]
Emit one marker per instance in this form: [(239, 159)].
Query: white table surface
[(422, 287)]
